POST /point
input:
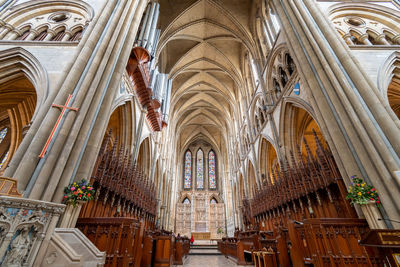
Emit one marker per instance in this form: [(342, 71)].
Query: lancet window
[(212, 179), (188, 170), (200, 170)]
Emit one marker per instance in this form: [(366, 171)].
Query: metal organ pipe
[(148, 25), (151, 41), (144, 24)]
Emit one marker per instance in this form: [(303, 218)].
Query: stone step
[(204, 252), (204, 247)]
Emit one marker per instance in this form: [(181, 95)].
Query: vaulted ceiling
[(202, 46)]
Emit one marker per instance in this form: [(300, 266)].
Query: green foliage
[(360, 192), (81, 191)]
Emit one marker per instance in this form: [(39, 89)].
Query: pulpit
[(386, 241)]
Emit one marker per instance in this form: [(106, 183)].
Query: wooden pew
[(333, 241), (148, 244), (120, 238), (164, 249), (182, 246), (265, 258), (238, 247)]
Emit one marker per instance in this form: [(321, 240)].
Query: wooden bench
[(120, 238)]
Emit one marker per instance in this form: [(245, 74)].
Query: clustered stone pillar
[(361, 125), (93, 78)]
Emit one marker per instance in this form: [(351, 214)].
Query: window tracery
[(188, 170), (283, 72), (366, 28), (212, 180), (200, 169), (46, 21)]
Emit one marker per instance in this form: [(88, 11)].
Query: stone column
[(93, 79), (50, 35), (347, 39), (32, 35), (67, 35), (361, 126), (14, 35), (6, 29), (364, 39)]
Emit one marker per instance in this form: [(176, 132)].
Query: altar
[(201, 235)]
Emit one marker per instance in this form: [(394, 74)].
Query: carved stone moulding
[(26, 226)]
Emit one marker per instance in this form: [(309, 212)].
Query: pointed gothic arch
[(23, 89), (268, 161), (187, 170), (200, 169)]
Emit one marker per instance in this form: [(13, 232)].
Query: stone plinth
[(371, 213), (26, 227)]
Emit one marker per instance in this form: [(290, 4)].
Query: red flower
[(373, 189), (80, 196), (377, 202), (88, 195), (372, 198), (358, 184), (75, 192), (65, 196)]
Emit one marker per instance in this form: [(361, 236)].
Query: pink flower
[(72, 188), (65, 196), (373, 189), (83, 187)]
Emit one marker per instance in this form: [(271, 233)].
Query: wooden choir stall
[(121, 218), (300, 217)]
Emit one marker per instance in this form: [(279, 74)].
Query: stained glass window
[(188, 170), (186, 201), (213, 201), (3, 134), (200, 170), (212, 182), (4, 159)]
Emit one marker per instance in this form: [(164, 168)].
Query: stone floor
[(208, 261)]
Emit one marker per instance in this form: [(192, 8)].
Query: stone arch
[(251, 179), (281, 72), (268, 161), (53, 13), (216, 197), (144, 156), (389, 82), (297, 124), (366, 24), (184, 196), (18, 61)]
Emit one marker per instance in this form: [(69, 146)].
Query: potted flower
[(220, 231), (75, 195), (78, 192), (365, 195)]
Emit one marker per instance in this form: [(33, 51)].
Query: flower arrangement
[(220, 231), (360, 192), (78, 191)]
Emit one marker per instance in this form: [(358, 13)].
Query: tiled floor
[(208, 261)]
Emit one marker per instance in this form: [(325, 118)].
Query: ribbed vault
[(201, 47)]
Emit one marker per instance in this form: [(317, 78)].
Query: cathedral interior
[(200, 133)]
